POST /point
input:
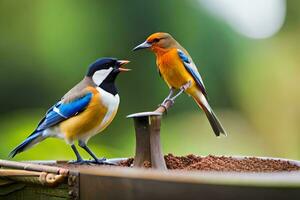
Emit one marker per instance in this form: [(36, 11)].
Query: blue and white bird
[(87, 109)]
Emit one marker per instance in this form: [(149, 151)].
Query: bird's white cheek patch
[(100, 75)]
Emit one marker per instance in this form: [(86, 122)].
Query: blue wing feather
[(191, 68), (62, 111), (70, 109), (57, 113)]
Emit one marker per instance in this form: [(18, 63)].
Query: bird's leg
[(172, 90), (182, 89), (168, 98), (87, 149), (79, 159)]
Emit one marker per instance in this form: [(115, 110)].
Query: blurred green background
[(253, 83)]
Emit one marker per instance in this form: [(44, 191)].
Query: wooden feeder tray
[(58, 180)]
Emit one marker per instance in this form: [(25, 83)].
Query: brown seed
[(222, 163)]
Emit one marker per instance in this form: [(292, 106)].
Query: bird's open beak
[(144, 45), (121, 63)]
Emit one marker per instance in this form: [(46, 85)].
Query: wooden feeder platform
[(57, 180)]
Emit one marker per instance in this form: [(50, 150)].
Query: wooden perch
[(147, 132), (33, 167), (164, 108), (32, 173)]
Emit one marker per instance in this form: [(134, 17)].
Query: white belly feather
[(111, 102)]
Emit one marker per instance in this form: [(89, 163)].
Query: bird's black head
[(104, 72)]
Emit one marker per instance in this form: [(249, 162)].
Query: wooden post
[(147, 132)]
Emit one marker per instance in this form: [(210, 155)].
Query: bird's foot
[(164, 104), (166, 101), (102, 161), (80, 162)]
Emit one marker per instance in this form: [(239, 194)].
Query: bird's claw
[(79, 162), (98, 161), (164, 104), (166, 100), (101, 161)]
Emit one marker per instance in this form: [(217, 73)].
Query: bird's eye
[(156, 40)]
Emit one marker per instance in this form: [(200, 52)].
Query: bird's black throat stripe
[(108, 84), (109, 87)]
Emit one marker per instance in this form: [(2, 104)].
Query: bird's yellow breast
[(81, 124), (172, 69)]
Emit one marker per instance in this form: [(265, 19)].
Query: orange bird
[(178, 70)]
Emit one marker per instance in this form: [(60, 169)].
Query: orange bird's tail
[(212, 118)]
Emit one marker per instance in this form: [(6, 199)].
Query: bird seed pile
[(222, 163)]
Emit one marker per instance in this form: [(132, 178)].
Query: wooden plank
[(280, 179), (112, 187), (10, 188), (20, 191)]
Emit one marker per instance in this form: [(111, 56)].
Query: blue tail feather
[(29, 142)]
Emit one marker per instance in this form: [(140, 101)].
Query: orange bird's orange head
[(158, 42)]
